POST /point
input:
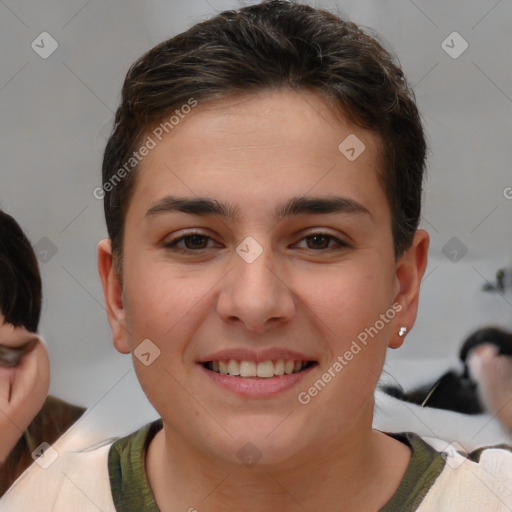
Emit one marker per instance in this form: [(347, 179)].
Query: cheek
[(347, 300), (156, 298), (43, 383), (349, 304), (167, 308), (32, 383)]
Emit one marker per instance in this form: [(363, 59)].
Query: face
[(23, 387), (281, 267)]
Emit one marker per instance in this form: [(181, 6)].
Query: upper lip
[(242, 354)]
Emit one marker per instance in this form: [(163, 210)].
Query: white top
[(73, 475)]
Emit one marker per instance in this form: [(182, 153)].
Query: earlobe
[(409, 273), (113, 293)]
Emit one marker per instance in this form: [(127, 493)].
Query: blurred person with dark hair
[(28, 416)]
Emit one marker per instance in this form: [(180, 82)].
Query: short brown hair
[(20, 280), (275, 44)]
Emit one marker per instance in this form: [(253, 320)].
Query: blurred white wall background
[(56, 113)]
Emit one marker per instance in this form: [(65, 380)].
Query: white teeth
[(223, 367), (247, 369), (288, 367), (264, 369), (279, 367), (233, 367)]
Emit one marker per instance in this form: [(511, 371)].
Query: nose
[(255, 295)]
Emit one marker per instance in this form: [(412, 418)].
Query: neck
[(359, 471)]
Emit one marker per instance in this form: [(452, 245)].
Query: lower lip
[(257, 387)]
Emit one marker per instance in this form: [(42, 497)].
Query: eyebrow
[(293, 207)]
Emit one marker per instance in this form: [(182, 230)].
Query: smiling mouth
[(263, 369)]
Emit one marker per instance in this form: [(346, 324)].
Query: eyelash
[(173, 244)]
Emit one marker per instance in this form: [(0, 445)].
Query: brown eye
[(323, 241), (318, 241), (195, 241), (191, 242)]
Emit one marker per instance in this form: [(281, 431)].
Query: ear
[(410, 269), (113, 293)]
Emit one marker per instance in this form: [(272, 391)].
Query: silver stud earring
[(402, 331)]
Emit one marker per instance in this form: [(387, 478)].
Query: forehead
[(259, 148)]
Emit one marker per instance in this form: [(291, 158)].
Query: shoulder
[(136, 440), (127, 470), (81, 474), (126, 455), (61, 477), (477, 480)]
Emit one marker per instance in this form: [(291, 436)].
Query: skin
[(493, 372), (254, 152), (23, 389)]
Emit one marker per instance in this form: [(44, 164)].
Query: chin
[(266, 441)]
